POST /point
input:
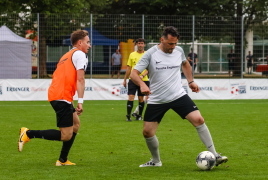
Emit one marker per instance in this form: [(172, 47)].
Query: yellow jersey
[(133, 59)]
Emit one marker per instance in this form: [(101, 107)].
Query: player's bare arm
[(80, 89), (187, 70), (127, 75), (138, 81)]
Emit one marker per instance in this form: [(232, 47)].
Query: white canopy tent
[(15, 55)]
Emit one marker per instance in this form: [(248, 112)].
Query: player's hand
[(79, 109), (194, 87), (125, 84), (145, 89), (141, 77)]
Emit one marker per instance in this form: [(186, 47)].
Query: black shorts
[(231, 66), (249, 64), (182, 106), (64, 112), (133, 88), (116, 67)]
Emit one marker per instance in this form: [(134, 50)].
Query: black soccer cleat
[(128, 118)]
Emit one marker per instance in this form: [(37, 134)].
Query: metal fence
[(210, 38)]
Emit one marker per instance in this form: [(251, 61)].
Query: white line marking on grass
[(121, 104), (231, 103), (22, 105)]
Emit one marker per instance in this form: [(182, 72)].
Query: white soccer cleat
[(138, 118), (151, 163), (134, 114), (220, 159)]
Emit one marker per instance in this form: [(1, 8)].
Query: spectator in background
[(231, 57), (116, 63), (190, 58), (250, 60)]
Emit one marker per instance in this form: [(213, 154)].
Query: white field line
[(117, 104)]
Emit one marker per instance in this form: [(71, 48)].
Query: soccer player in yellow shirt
[(133, 59)]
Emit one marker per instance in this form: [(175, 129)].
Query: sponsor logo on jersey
[(15, 89), (158, 62), (259, 88), (166, 67)]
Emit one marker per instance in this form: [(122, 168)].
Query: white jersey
[(164, 72), (80, 60)]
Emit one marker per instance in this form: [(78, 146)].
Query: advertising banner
[(113, 89)]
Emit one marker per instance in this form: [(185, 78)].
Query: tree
[(226, 14), (56, 18)]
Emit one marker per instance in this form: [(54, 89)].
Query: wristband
[(190, 82), (80, 100)]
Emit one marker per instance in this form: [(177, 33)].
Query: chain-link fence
[(217, 46)]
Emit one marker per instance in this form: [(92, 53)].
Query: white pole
[(38, 45), (91, 40)]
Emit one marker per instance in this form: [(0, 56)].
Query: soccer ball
[(206, 160)]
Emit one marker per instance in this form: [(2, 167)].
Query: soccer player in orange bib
[(68, 78)]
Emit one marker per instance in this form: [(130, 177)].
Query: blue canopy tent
[(109, 47), (97, 39)]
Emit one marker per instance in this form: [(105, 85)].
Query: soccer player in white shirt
[(163, 63)]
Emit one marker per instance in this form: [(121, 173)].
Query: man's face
[(117, 51), (249, 52), (169, 43), (85, 44), (140, 46)]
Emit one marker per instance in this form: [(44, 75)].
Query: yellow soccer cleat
[(23, 138), (67, 163)]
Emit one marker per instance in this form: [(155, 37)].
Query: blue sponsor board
[(242, 89), (208, 88), (16, 89), (259, 88), (123, 90), (88, 89)]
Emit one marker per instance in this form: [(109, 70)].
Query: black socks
[(129, 107), (66, 148), (141, 106), (50, 134)]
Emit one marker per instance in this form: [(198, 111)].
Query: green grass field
[(108, 147)]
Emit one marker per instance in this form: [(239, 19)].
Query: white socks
[(206, 138), (153, 144)]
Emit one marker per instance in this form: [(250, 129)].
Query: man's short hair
[(170, 30), (140, 40), (78, 35)]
